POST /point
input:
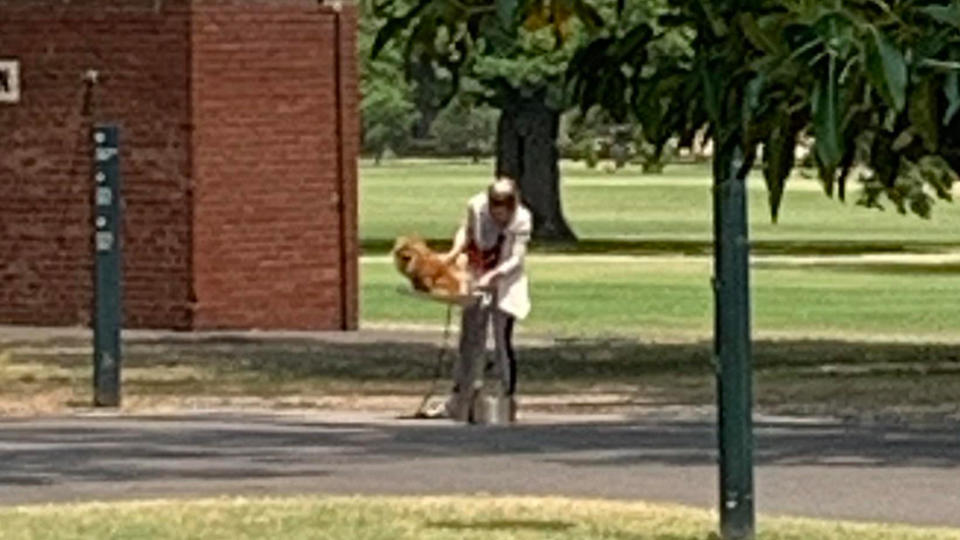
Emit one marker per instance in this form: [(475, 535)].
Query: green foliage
[(593, 136), (533, 63), (388, 117), (510, 46), (465, 128), (581, 135), (873, 81), (452, 56), (387, 105)]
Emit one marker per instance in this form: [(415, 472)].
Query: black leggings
[(512, 356), (511, 368), (473, 337)]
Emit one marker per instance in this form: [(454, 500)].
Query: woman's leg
[(506, 360), (467, 372), (506, 357)]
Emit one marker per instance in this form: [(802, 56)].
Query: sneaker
[(437, 410)]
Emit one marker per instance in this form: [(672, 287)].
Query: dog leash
[(438, 368)]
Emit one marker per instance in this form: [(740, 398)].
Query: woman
[(494, 237)]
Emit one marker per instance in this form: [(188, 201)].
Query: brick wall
[(267, 244), (45, 231), (231, 163), (349, 151)]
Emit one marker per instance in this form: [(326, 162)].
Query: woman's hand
[(449, 257), (487, 280)]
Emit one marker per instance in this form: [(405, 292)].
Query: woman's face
[(502, 214)]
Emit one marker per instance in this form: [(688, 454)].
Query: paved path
[(810, 468)]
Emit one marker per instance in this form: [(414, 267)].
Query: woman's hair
[(503, 192)]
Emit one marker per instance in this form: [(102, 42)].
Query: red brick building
[(239, 136)]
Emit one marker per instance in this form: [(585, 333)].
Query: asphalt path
[(816, 468)]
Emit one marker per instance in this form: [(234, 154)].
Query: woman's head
[(503, 198)]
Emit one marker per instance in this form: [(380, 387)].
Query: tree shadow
[(503, 525), (558, 358), (225, 446), (168, 455), (850, 379), (600, 246), (884, 268)]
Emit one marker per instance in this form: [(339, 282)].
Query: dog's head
[(407, 252)]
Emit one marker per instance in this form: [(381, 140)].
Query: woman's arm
[(513, 261), (459, 240)]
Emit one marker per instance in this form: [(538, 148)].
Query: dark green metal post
[(108, 267), (732, 348)]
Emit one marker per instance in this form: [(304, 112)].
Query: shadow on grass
[(886, 268), (792, 376), (563, 360), (502, 525), (380, 246)]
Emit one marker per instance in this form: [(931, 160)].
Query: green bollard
[(108, 267), (732, 350)]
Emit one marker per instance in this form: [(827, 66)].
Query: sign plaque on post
[(9, 81), (108, 267)]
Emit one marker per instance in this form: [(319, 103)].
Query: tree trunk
[(527, 152), (421, 128)]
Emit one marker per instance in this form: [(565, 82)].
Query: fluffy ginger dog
[(426, 271)]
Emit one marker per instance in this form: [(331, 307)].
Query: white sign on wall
[(9, 81)]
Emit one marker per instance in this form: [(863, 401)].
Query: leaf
[(902, 141), (846, 165), (826, 123), (588, 14), (711, 93), (943, 65), (923, 114), (778, 159), (932, 43), (674, 20), (887, 70), (635, 40), (395, 26), (506, 12), (387, 33), (756, 120), (883, 160), (936, 172), (951, 87), (949, 14), (716, 23), (536, 19), (756, 34), (584, 67), (753, 91)]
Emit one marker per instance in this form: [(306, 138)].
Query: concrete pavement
[(816, 468)]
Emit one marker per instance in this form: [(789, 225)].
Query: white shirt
[(513, 289)]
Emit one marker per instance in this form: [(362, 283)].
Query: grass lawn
[(453, 518), (671, 298), (859, 380), (852, 338), (673, 208)]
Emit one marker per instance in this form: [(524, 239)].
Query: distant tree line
[(417, 109)]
